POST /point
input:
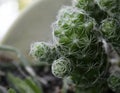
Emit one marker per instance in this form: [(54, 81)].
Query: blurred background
[(9, 10), (19, 73)]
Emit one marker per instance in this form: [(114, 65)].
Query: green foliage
[(107, 5), (24, 86), (11, 91), (81, 54), (114, 82), (87, 5), (91, 7), (112, 7)]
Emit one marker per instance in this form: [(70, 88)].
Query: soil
[(54, 85)]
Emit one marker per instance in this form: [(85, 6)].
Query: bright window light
[(8, 13)]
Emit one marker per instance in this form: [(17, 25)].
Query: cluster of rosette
[(77, 50)]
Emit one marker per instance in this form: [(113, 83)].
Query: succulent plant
[(86, 40), (114, 82), (87, 5), (62, 67), (91, 7), (112, 7), (72, 27), (109, 27), (41, 51)]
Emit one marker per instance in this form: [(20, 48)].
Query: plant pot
[(33, 24)]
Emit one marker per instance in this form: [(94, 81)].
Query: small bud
[(62, 67), (40, 50), (109, 27), (114, 82)]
